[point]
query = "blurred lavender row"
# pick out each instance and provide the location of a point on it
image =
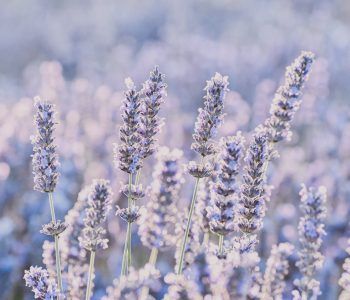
(92, 57)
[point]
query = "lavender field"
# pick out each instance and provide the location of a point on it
(175, 150)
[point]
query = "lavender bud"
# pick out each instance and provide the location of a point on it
(38, 280)
(276, 270)
(286, 101)
(135, 192)
(49, 258)
(129, 214)
(54, 228)
(153, 92)
(181, 288)
(311, 230)
(127, 154)
(198, 170)
(210, 117)
(252, 201)
(44, 158)
(221, 211)
(99, 202)
(157, 222)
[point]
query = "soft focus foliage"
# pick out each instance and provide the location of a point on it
(77, 54)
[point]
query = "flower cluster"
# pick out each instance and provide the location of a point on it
(286, 101)
(157, 223)
(38, 280)
(252, 201)
(224, 195)
(153, 92)
(311, 231)
(99, 204)
(181, 288)
(127, 154)
(45, 159)
(276, 270)
(130, 286)
(210, 117)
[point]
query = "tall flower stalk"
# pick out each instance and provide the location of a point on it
(209, 119)
(45, 170)
(225, 193)
(92, 239)
(141, 124)
(311, 231)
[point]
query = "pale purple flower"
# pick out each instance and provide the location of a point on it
(344, 280)
(181, 288)
(99, 204)
(311, 231)
(45, 158)
(252, 197)
(277, 267)
(157, 222)
(38, 280)
(211, 115)
(127, 154)
(287, 98)
(153, 94)
(130, 286)
(224, 195)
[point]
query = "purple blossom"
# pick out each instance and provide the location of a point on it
(211, 116)
(99, 204)
(45, 158)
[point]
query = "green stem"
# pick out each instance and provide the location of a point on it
(57, 249)
(91, 272)
(185, 238)
(221, 244)
(125, 253)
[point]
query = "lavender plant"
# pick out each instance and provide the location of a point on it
(92, 239)
(45, 170)
(141, 123)
(209, 119)
(311, 231)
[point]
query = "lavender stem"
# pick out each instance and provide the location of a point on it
(57, 249)
(91, 271)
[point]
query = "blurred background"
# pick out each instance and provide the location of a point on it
(77, 54)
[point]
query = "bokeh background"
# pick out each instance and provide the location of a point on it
(77, 54)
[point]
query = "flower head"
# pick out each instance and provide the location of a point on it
(153, 92)
(38, 280)
(44, 159)
(127, 154)
(287, 98)
(157, 223)
(99, 204)
(210, 117)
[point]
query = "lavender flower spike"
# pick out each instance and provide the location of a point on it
(45, 164)
(92, 239)
(153, 92)
(276, 270)
(208, 120)
(211, 116)
(224, 195)
(45, 159)
(344, 280)
(157, 222)
(252, 202)
(127, 154)
(38, 280)
(311, 230)
(286, 101)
